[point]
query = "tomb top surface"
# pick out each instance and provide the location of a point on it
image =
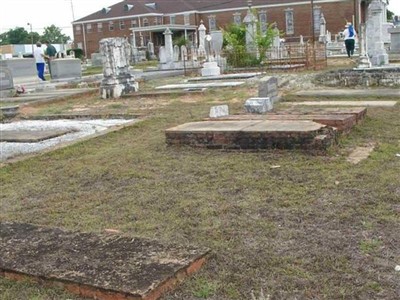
(249, 126)
(30, 136)
(345, 103)
(110, 262)
(200, 85)
(350, 92)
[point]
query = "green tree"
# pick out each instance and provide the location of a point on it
(265, 39)
(390, 16)
(54, 35)
(235, 44)
(17, 36)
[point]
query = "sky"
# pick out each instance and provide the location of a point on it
(43, 13)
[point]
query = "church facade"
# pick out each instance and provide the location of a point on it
(142, 21)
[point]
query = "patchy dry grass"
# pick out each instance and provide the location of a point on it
(315, 228)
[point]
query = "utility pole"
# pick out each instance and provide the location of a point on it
(313, 33)
(30, 24)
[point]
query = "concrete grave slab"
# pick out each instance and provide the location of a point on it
(100, 266)
(344, 103)
(225, 77)
(30, 136)
(343, 93)
(358, 112)
(343, 123)
(78, 131)
(359, 154)
(200, 85)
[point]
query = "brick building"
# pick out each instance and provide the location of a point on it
(146, 20)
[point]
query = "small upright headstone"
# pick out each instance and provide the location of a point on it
(117, 80)
(176, 53)
(258, 105)
(6, 82)
(219, 111)
(6, 79)
(96, 60)
(162, 56)
(184, 53)
(268, 87)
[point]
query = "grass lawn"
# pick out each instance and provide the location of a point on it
(316, 227)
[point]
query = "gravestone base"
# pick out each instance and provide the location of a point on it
(210, 69)
(8, 112)
(119, 87)
(258, 105)
(254, 134)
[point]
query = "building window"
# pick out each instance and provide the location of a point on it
(186, 19)
(237, 18)
(158, 21)
(317, 20)
(289, 21)
(212, 23)
(133, 23)
(79, 45)
(121, 25)
(263, 21)
(145, 22)
(99, 27)
(88, 28)
(111, 26)
(78, 29)
(172, 19)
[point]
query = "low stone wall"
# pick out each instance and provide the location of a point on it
(385, 77)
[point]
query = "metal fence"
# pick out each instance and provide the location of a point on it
(288, 56)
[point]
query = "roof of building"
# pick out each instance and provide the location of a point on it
(128, 8)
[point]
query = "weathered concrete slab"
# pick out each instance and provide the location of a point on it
(343, 93)
(359, 154)
(200, 85)
(225, 77)
(46, 96)
(344, 103)
(253, 134)
(343, 123)
(358, 112)
(100, 266)
(30, 136)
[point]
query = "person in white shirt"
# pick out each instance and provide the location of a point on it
(38, 54)
(349, 39)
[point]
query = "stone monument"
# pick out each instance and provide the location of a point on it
(117, 79)
(167, 55)
(376, 50)
(250, 20)
(202, 35)
(210, 67)
(395, 43)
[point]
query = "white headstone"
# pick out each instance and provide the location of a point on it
(202, 35)
(176, 53)
(219, 111)
(169, 50)
(258, 105)
(375, 45)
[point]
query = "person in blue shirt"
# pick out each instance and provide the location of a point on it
(349, 39)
